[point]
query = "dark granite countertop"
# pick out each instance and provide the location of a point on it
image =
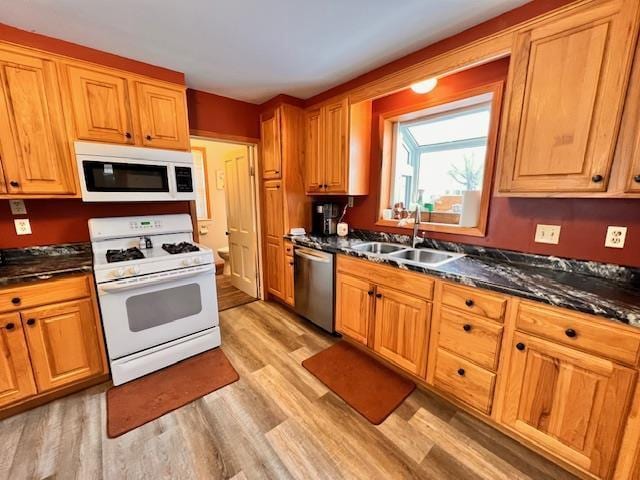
(20, 265)
(606, 290)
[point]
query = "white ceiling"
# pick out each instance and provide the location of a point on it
(251, 49)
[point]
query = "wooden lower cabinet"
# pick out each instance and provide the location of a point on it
(569, 403)
(353, 307)
(289, 274)
(16, 378)
(401, 329)
(63, 343)
(50, 341)
(275, 267)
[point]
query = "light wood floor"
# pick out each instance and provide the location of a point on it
(228, 295)
(277, 422)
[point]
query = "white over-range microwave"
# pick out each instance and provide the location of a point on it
(116, 173)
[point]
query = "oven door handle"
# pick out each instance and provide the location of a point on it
(120, 287)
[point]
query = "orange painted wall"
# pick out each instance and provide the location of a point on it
(512, 221)
(222, 115)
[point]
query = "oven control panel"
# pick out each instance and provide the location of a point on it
(145, 225)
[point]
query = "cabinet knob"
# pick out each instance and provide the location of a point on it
(290, 262)
(127, 134)
(13, 183)
(597, 178)
(636, 179)
(468, 302)
(276, 171)
(466, 327)
(370, 292)
(148, 137)
(31, 322)
(378, 295)
(10, 326)
(571, 333)
(16, 300)
(461, 372)
(520, 346)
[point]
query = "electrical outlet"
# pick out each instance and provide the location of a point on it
(615, 237)
(23, 227)
(17, 207)
(547, 234)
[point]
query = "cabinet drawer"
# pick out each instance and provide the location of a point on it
(581, 331)
(41, 293)
(417, 284)
(474, 301)
(470, 336)
(464, 380)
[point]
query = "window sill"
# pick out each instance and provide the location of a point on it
(436, 227)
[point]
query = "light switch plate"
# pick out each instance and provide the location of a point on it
(615, 237)
(23, 227)
(547, 234)
(17, 207)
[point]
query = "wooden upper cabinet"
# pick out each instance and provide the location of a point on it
(353, 307)
(570, 403)
(567, 85)
(338, 143)
(270, 134)
(314, 163)
(63, 343)
(401, 328)
(162, 112)
(101, 106)
(33, 141)
(336, 122)
(273, 210)
(16, 379)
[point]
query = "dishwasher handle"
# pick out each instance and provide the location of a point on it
(312, 255)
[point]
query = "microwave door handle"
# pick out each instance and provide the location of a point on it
(120, 287)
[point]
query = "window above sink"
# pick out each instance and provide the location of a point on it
(438, 154)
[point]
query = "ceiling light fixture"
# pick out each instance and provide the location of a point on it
(425, 86)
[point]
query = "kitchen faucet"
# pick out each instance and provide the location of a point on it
(416, 227)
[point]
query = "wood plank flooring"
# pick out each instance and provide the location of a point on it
(276, 422)
(228, 295)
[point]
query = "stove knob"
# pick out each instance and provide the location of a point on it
(185, 262)
(133, 270)
(118, 273)
(197, 260)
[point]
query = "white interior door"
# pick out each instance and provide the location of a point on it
(241, 221)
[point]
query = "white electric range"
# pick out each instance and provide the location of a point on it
(158, 303)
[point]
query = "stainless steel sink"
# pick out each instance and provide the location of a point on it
(425, 257)
(379, 248)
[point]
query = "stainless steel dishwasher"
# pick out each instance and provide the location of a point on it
(313, 286)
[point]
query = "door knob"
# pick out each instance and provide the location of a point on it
(636, 179)
(15, 300)
(570, 332)
(148, 137)
(597, 178)
(378, 295)
(13, 183)
(520, 346)
(10, 326)
(31, 322)
(127, 134)
(370, 292)
(468, 302)
(461, 372)
(466, 327)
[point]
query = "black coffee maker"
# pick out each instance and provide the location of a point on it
(324, 218)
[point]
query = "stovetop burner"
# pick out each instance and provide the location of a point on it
(182, 247)
(133, 253)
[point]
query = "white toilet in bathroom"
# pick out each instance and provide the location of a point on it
(223, 253)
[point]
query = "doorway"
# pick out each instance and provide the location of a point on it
(227, 219)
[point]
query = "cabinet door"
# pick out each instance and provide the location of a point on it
(568, 85)
(63, 343)
(16, 378)
(35, 154)
(335, 123)
(274, 256)
(353, 307)
(100, 103)
(314, 156)
(271, 145)
(401, 328)
(163, 116)
(289, 266)
(568, 402)
(273, 210)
